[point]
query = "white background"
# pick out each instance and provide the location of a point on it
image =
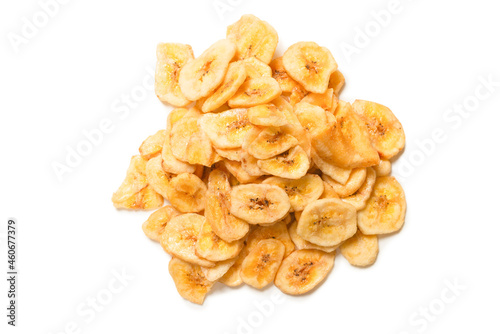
(67, 78)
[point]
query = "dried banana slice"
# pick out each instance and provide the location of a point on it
(359, 198)
(261, 265)
(253, 38)
(266, 115)
(271, 142)
(227, 129)
(304, 244)
(327, 100)
(385, 130)
(301, 192)
(303, 270)
(354, 182)
(310, 64)
(155, 225)
(153, 145)
(235, 76)
(292, 164)
(346, 143)
(312, 118)
(171, 164)
(221, 268)
(249, 164)
(157, 178)
(135, 180)
(360, 250)
(232, 276)
(336, 82)
(287, 84)
(171, 59)
(209, 246)
(386, 208)
(298, 93)
(233, 154)
(256, 68)
(180, 236)
(328, 192)
(236, 169)
(189, 280)
(277, 231)
(254, 92)
(384, 168)
(145, 199)
(186, 192)
(340, 175)
(226, 226)
(327, 222)
(200, 76)
(259, 203)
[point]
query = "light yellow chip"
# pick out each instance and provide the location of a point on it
(153, 145)
(155, 225)
(360, 250)
(254, 92)
(186, 192)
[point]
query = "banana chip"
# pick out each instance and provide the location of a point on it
(277, 231)
(336, 82)
(303, 270)
(189, 280)
(157, 178)
(266, 115)
(134, 182)
(292, 164)
(356, 179)
(227, 129)
(155, 225)
(209, 246)
(287, 84)
(254, 92)
(153, 145)
(360, 250)
(186, 192)
(256, 68)
(145, 199)
(359, 198)
(384, 168)
(221, 268)
(300, 243)
(261, 265)
(339, 175)
(327, 100)
(271, 142)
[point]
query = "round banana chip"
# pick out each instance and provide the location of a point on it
(261, 265)
(221, 268)
(271, 142)
(155, 225)
(200, 76)
(385, 130)
(256, 68)
(186, 192)
(327, 222)
(310, 64)
(359, 198)
(386, 208)
(253, 38)
(266, 115)
(171, 59)
(235, 76)
(226, 226)
(301, 192)
(153, 145)
(254, 92)
(180, 236)
(171, 164)
(292, 164)
(227, 129)
(304, 244)
(356, 179)
(278, 231)
(303, 270)
(360, 250)
(189, 280)
(209, 246)
(384, 168)
(259, 203)
(287, 84)
(312, 118)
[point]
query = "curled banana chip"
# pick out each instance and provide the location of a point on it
(261, 265)
(171, 59)
(384, 168)
(209, 246)
(327, 100)
(354, 182)
(249, 164)
(221, 268)
(310, 65)
(266, 115)
(359, 198)
(360, 250)
(256, 68)
(302, 191)
(287, 84)
(186, 192)
(135, 180)
(336, 82)
(313, 118)
(189, 280)
(271, 142)
(153, 145)
(259, 203)
(180, 236)
(303, 270)
(157, 178)
(227, 129)
(236, 169)
(386, 208)
(292, 164)
(200, 76)
(327, 222)
(253, 38)
(155, 225)
(254, 92)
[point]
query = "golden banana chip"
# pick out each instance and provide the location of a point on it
(209, 246)
(186, 192)
(360, 250)
(254, 92)
(153, 145)
(277, 231)
(155, 225)
(354, 182)
(189, 280)
(359, 198)
(336, 82)
(157, 178)
(261, 265)
(292, 164)
(256, 68)
(300, 243)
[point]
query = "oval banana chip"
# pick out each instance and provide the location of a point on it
(266, 115)
(277, 231)
(254, 92)
(261, 265)
(189, 280)
(259, 203)
(300, 243)
(303, 270)
(356, 179)
(200, 76)
(271, 142)
(153, 145)
(360, 250)
(186, 192)
(227, 129)
(157, 178)
(386, 208)
(292, 164)
(256, 68)
(209, 246)
(327, 222)
(155, 225)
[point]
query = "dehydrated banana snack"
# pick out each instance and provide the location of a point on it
(268, 174)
